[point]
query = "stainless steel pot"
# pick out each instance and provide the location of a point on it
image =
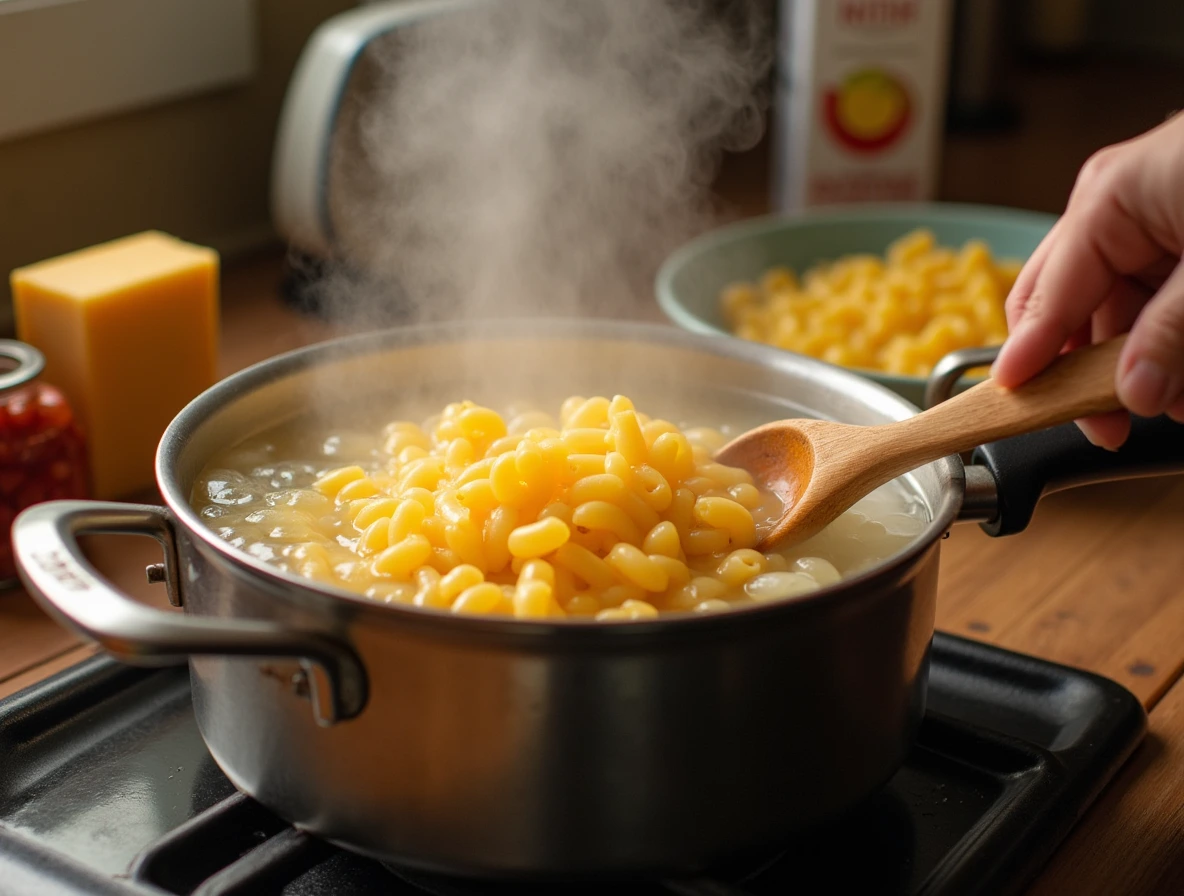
(496, 747)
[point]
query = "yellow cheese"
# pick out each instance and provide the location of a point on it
(129, 333)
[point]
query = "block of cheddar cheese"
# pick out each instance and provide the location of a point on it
(129, 334)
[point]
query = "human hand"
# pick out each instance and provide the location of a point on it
(1111, 264)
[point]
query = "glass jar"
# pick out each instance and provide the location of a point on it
(42, 450)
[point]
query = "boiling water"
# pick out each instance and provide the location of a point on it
(262, 497)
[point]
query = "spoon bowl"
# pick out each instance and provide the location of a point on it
(819, 469)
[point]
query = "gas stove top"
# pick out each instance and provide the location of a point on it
(106, 787)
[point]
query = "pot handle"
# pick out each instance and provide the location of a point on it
(1027, 467)
(948, 372)
(52, 566)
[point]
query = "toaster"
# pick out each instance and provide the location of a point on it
(321, 85)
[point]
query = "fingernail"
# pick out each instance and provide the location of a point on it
(998, 357)
(1144, 388)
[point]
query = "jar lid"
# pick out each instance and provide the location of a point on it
(29, 364)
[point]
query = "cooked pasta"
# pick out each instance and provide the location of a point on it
(898, 314)
(605, 512)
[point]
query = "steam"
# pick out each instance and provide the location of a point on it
(540, 157)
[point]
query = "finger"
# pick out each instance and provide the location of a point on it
(1046, 319)
(1107, 430)
(1151, 369)
(1083, 336)
(1021, 290)
(1154, 276)
(1121, 308)
(1013, 308)
(1176, 411)
(1099, 243)
(1116, 316)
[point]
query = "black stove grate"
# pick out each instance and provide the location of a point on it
(106, 788)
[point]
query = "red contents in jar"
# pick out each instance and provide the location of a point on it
(42, 456)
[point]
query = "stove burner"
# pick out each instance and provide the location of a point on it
(107, 788)
(443, 885)
(884, 827)
(722, 882)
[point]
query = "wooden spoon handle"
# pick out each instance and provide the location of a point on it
(1077, 384)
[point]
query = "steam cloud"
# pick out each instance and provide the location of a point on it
(540, 157)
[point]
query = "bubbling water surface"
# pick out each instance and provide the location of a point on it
(273, 496)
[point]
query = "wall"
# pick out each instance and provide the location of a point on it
(1145, 28)
(197, 168)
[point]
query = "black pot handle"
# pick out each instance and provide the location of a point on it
(1025, 468)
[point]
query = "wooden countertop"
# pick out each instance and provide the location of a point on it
(1097, 581)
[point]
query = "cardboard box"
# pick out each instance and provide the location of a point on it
(860, 101)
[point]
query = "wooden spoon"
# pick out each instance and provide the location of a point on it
(819, 469)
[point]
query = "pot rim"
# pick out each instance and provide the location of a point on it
(291, 585)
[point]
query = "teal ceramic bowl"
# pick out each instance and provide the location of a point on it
(690, 281)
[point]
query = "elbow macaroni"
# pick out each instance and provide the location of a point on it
(605, 513)
(899, 314)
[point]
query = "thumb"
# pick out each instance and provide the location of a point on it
(1151, 369)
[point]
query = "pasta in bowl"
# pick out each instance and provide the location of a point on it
(600, 511)
(882, 289)
(899, 314)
